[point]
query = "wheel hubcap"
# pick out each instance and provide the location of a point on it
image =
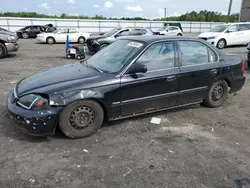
(221, 44)
(25, 35)
(81, 40)
(50, 40)
(217, 93)
(82, 117)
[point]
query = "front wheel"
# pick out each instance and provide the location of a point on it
(81, 118)
(221, 44)
(50, 40)
(81, 40)
(217, 94)
(25, 35)
(3, 51)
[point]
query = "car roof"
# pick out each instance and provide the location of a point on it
(155, 38)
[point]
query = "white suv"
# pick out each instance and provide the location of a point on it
(228, 34)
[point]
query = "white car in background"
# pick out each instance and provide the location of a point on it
(228, 35)
(60, 35)
(170, 31)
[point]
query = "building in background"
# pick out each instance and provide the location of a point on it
(245, 11)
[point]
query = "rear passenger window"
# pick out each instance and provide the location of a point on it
(195, 53)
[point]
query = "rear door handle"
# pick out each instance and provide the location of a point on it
(171, 78)
(214, 71)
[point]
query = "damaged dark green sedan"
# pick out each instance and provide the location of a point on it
(133, 76)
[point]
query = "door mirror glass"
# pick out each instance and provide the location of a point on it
(137, 68)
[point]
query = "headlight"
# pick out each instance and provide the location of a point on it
(11, 38)
(32, 101)
(214, 37)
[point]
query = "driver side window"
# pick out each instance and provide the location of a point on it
(159, 56)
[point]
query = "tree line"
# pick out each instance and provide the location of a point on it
(204, 16)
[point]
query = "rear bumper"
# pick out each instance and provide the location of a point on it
(237, 84)
(12, 47)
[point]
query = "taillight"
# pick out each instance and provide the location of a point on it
(243, 66)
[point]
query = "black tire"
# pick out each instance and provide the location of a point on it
(25, 35)
(179, 34)
(103, 46)
(81, 40)
(50, 40)
(3, 51)
(78, 112)
(221, 44)
(217, 94)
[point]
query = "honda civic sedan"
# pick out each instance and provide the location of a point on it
(132, 76)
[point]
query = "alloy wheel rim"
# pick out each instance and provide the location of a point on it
(25, 35)
(82, 117)
(221, 44)
(218, 93)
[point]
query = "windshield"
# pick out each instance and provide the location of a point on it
(219, 28)
(111, 32)
(55, 31)
(115, 56)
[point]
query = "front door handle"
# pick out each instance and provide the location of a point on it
(171, 78)
(214, 71)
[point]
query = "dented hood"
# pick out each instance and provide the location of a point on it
(56, 78)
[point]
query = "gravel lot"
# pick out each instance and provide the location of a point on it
(192, 147)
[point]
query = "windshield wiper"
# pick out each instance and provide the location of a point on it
(93, 67)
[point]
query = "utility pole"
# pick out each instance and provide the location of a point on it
(165, 14)
(229, 9)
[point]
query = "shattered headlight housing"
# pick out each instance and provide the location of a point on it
(33, 101)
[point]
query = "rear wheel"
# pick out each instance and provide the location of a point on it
(221, 44)
(81, 40)
(217, 94)
(81, 118)
(50, 40)
(25, 35)
(3, 51)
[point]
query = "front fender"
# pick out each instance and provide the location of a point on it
(66, 98)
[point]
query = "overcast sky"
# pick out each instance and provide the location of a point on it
(119, 8)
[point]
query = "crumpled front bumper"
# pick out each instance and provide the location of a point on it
(33, 122)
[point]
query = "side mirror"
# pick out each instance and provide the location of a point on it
(117, 35)
(137, 68)
(230, 30)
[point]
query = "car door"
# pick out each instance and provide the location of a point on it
(61, 35)
(198, 70)
(73, 35)
(245, 28)
(155, 89)
(234, 36)
(34, 30)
